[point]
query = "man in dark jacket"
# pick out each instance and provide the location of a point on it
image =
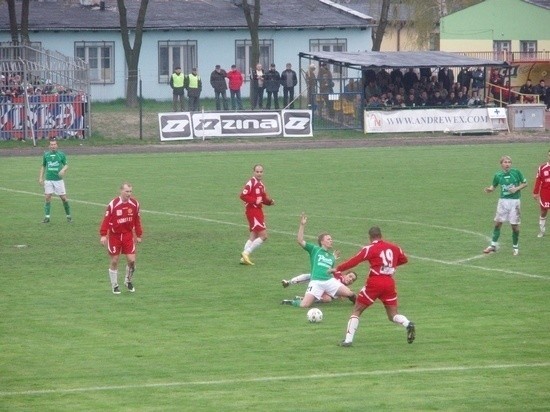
(289, 80)
(217, 80)
(272, 84)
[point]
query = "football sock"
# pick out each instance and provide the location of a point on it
(67, 208)
(496, 234)
(255, 245)
(353, 324)
(296, 302)
(129, 273)
(113, 275)
(304, 277)
(542, 223)
(47, 208)
(247, 246)
(401, 319)
(515, 239)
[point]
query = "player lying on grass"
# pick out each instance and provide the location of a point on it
(346, 279)
(322, 262)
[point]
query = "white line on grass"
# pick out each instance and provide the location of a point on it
(276, 379)
(223, 222)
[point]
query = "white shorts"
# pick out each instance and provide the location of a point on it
(508, 210)
(318, 287)
(54, 187)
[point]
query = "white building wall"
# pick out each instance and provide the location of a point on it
(214, 47)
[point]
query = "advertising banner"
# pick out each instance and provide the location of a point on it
(175, 126)
(450, 120)
(49, 116)
(220, 124)
(186, 125)
(297, 123)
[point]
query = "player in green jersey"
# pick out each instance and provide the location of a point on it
(511, 181)
(54, 167)
(322, 260)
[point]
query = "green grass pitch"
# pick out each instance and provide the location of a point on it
(203, 333)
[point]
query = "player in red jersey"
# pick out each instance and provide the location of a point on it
(119, 226)
(254, 196)
(541, 193)
(384, 258)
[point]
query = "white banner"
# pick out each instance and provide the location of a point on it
(186, 125)
(175, 126)
(430, 120)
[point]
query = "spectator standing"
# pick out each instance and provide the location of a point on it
(193, 84)
(543, 93)
(425, 73)
(478, 79)
(120, 230)
(326, 87)
(177, 83)
(52, 172)
(447, 77)
(384, 258)
(541, 193)
(289, 80)
(464, 78)
(236, 80)
(311, 81)
(511, 182)
(272, 84)
(218, 83)
(255, 197)
(410, 79)
(396, 76)
(258, 86)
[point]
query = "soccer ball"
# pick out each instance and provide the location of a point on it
(314, 315)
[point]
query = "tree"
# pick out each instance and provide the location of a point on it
(378, 35)
(132, 53)
(252, 16)
(15, 29)
(427, 13)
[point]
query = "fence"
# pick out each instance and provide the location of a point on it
(43, 94)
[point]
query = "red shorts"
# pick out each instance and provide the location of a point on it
(544, 199)
(121, 243)
(378, 287)
(256, 221)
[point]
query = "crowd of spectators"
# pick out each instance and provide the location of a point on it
(397, 89)
(13, 85)
(435, 88)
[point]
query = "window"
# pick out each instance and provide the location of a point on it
(10, 52)
(100, 59)
(501, 49)
(243, 52)
(176, 53)
(331, 45)
(528, 49)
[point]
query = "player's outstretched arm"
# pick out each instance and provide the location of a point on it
(301, 230)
